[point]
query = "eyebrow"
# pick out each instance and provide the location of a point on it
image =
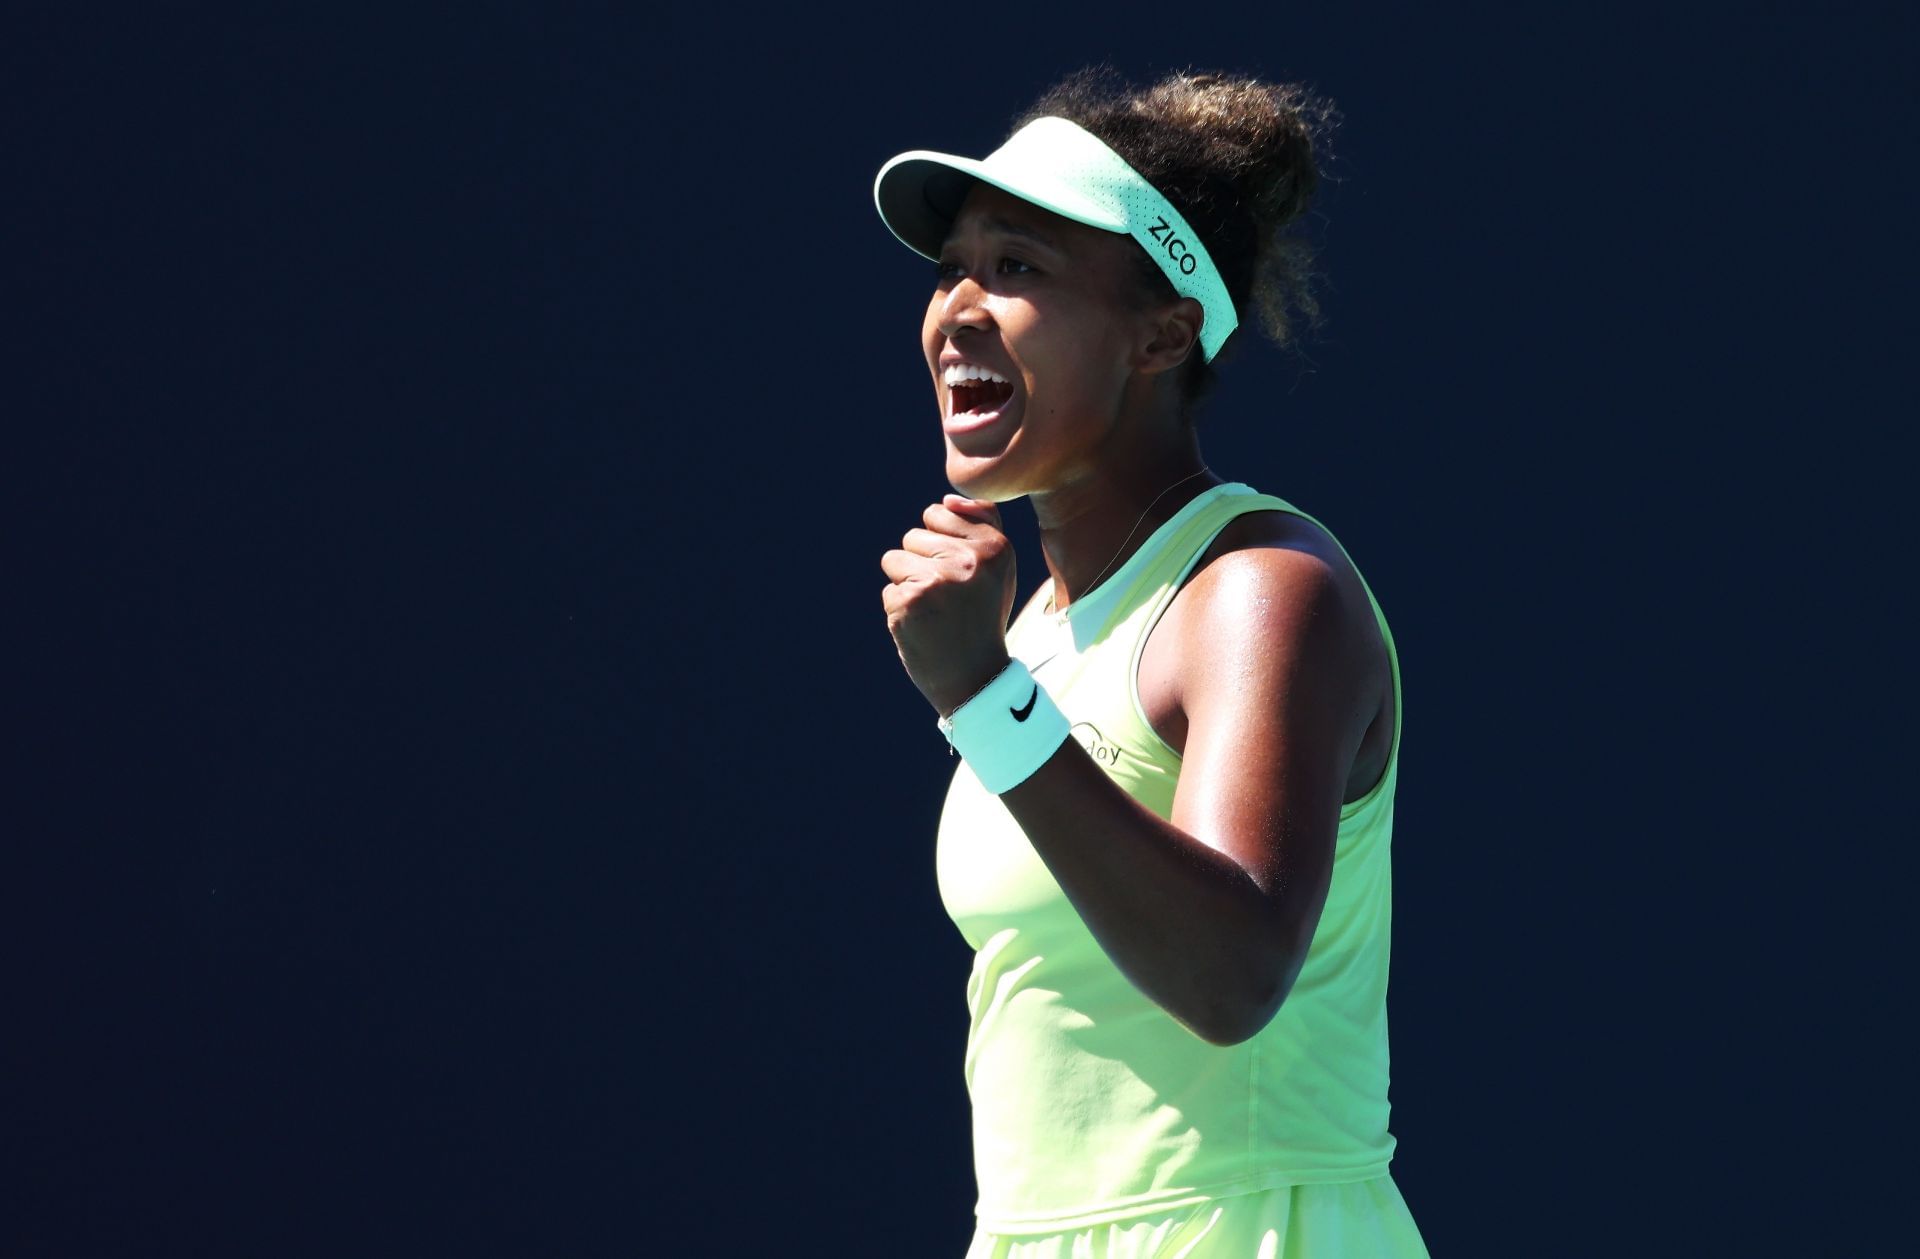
(999, 224)
(1021, 229)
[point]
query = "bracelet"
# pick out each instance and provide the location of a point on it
(1007, 729)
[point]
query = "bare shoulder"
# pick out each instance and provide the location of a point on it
(1273, 591)
(1273, 579)
(1272, 552)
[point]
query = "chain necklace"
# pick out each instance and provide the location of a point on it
(1095, 583)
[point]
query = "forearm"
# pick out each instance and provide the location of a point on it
(1183, 922)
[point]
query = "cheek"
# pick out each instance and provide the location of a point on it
(930, 338)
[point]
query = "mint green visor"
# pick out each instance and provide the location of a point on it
(1058, 166)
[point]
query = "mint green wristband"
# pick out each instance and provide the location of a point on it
(1007, 730)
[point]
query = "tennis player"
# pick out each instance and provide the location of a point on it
(1168, 833)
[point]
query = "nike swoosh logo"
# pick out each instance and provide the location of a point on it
(1021, 714)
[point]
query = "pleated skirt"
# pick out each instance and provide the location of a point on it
(1364, 1220)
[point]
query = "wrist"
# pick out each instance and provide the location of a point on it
(1007, 730)
(958, 697)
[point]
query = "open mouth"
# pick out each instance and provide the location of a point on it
(976, 391)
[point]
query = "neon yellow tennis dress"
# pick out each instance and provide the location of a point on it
(1101, 1127)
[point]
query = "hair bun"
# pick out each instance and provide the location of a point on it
(1261, 132)
(1238, 156)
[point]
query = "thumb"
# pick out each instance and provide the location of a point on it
(981, 509)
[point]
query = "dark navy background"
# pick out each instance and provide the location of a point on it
(466, 798)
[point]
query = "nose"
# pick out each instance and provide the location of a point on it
(964, 306)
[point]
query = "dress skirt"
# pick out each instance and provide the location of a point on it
(1362, 1220)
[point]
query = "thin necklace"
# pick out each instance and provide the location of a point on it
(1095, 583)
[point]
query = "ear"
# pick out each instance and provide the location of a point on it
(1175, 335)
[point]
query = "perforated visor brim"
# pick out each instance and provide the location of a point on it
(919, 195)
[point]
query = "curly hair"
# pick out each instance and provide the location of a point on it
(1236, 157)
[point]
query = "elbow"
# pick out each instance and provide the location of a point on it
(1228, 1032)
(1234, 1000)
(1230, 1023)
(1239, 1015)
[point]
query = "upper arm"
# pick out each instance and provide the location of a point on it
(1278, 681)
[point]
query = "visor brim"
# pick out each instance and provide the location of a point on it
(919, 193)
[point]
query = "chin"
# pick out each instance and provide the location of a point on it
(991, 482)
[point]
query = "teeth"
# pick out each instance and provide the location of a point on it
(960, 373)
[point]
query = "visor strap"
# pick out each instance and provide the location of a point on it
(1068, 153)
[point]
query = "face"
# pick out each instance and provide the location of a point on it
(1032, 339)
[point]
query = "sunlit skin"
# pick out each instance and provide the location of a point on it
(1267, 672)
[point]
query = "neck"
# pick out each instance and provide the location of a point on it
(1090, 527)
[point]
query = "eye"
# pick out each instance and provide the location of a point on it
(949, 270)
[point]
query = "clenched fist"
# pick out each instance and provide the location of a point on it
(950, 594)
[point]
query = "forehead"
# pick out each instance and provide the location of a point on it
(989, 209)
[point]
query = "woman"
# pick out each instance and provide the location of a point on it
(1168, 837)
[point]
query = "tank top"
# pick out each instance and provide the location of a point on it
(1090, 1103)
